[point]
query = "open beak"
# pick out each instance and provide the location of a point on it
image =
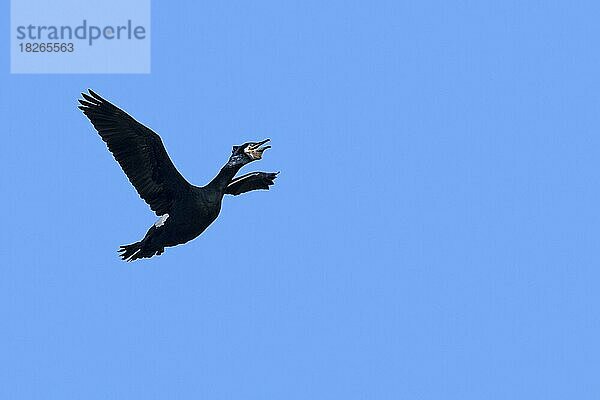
(255, 150)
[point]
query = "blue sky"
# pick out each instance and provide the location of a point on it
(432, 235)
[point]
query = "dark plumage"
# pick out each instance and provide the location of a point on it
(185, 210)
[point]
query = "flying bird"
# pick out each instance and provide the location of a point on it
(184, 210)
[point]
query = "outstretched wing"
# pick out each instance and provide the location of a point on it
(139, 151)
(251, 181)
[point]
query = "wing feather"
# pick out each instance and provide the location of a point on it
(251, 181)
(139, 151)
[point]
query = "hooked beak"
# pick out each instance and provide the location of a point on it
(255, 150)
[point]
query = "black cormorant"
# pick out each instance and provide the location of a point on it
(184, 210)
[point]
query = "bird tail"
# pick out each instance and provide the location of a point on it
(130, 252)
(134, 251)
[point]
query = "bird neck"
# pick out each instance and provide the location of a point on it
(224, 176)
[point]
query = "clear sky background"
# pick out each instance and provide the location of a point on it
(433, 233)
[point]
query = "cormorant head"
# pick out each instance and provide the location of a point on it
(248, 152)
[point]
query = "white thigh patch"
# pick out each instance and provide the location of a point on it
(161, 221)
